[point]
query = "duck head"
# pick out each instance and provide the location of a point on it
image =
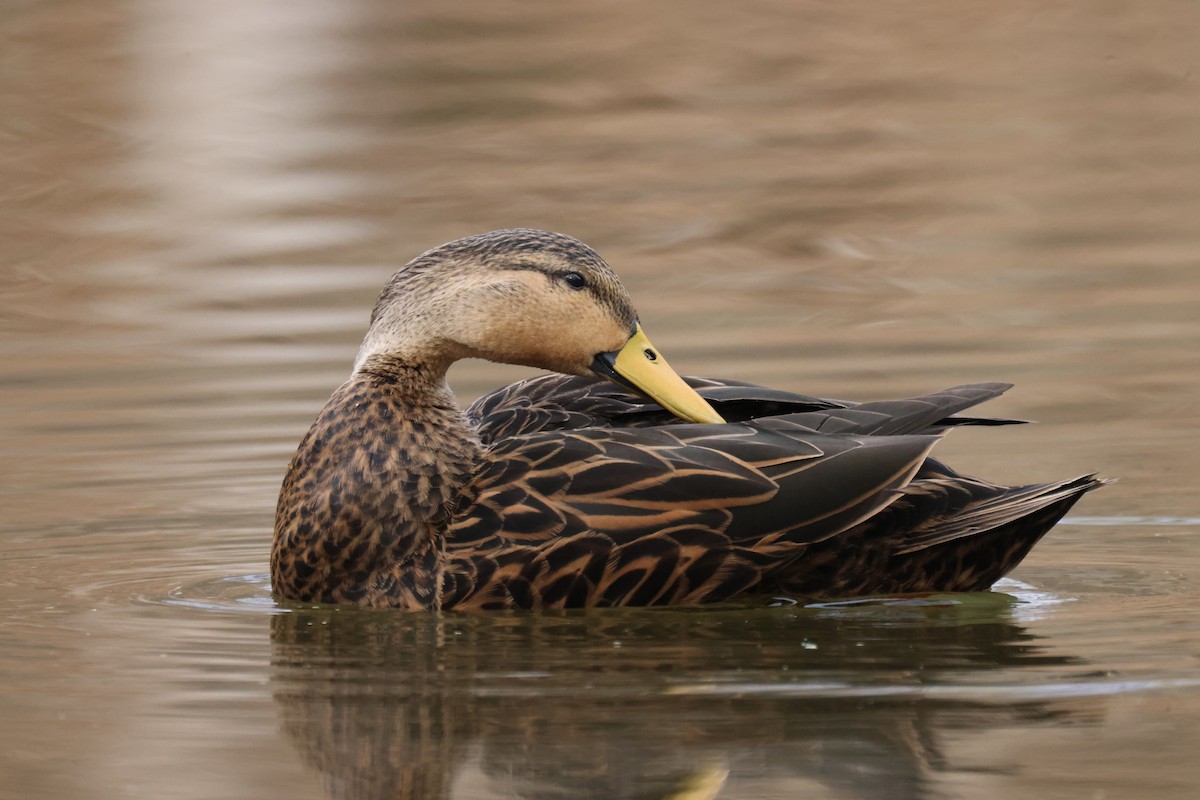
(526, 297)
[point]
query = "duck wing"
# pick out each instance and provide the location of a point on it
(564, 402)
(589, 495)
(673, 514)
(568, 402)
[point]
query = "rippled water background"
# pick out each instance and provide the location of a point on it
(199, 202)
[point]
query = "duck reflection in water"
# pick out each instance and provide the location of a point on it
(626, 703)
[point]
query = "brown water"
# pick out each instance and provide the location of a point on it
(201, 200)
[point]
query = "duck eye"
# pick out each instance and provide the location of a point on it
(574, 280)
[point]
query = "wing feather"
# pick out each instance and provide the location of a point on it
(589, 495)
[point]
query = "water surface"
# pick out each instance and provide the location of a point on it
(199, 202)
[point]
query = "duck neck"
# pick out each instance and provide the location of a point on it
(366, 501)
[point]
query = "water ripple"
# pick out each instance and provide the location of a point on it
(1154, 521)
(1001, 692)
(241, 593)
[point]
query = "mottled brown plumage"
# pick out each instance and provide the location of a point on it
(569, 490)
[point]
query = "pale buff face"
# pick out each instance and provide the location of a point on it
(504, 296)
(528, 318)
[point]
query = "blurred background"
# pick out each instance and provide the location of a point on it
(200, 201)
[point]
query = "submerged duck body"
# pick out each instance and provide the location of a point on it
(569, 490)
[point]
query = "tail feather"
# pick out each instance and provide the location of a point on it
(995, 512)
(883, 555)
(972, 563)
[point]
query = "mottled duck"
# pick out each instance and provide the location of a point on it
(613, 481)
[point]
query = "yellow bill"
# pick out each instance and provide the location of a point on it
(639, 366)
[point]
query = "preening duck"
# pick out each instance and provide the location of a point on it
(613, 481)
